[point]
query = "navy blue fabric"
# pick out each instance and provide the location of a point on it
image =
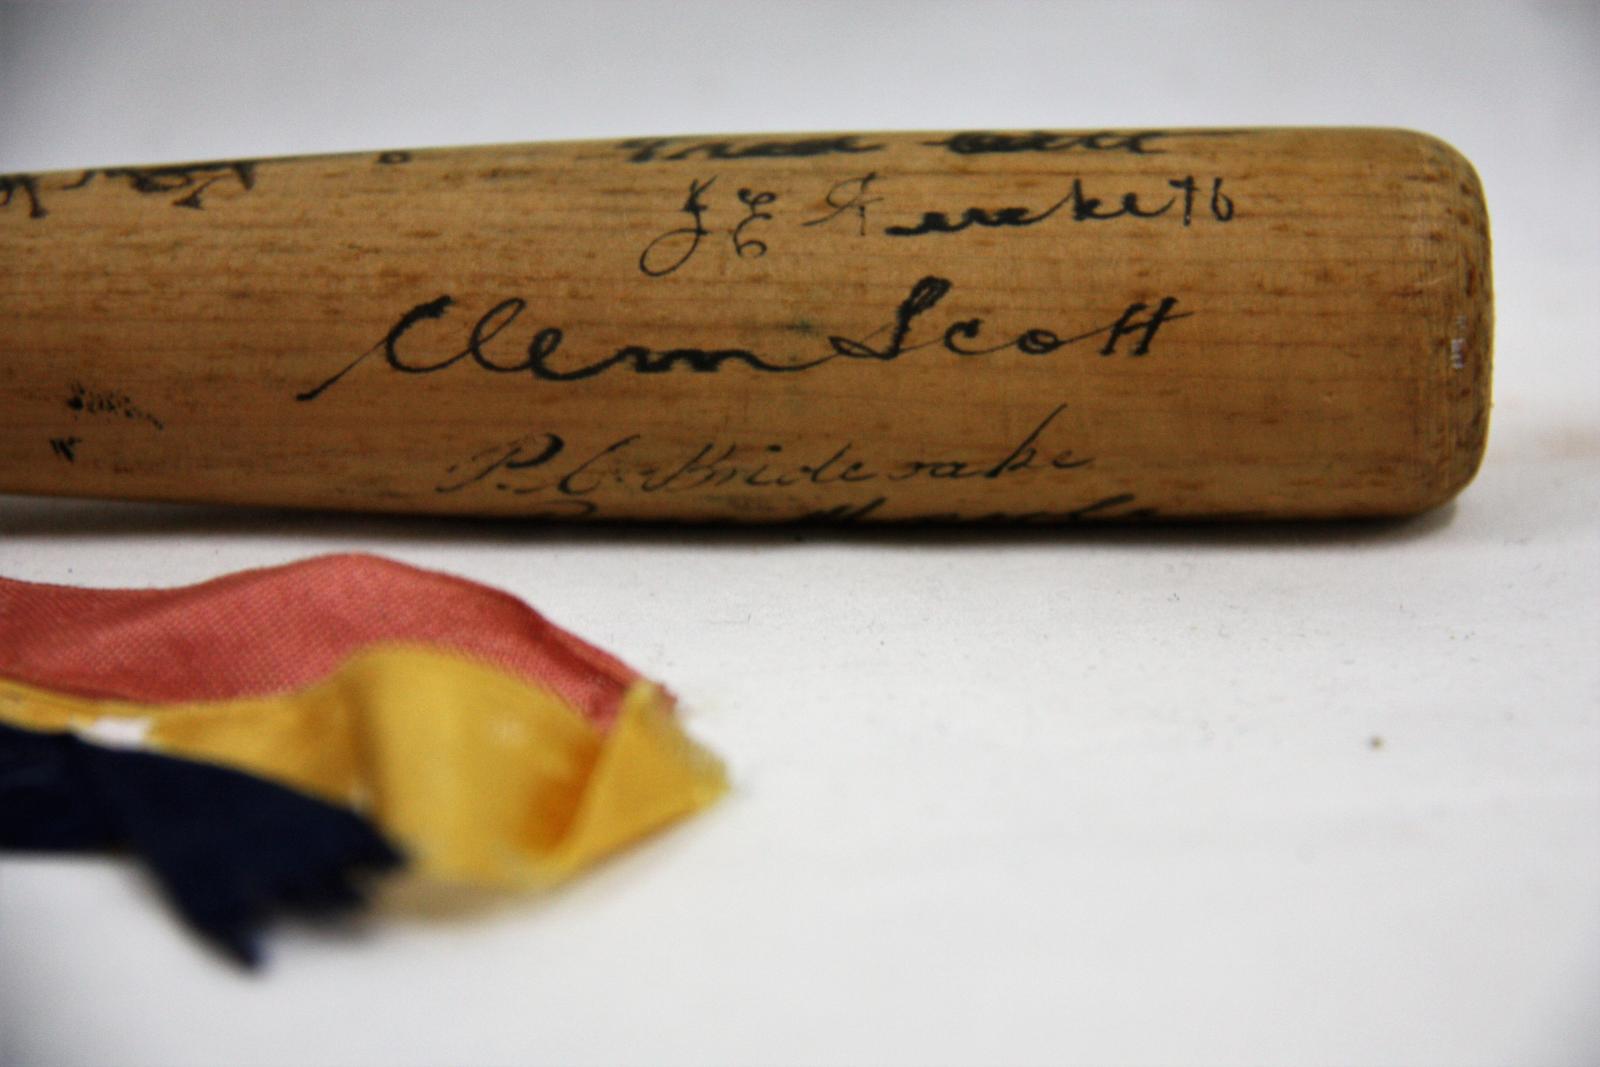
(229, 849)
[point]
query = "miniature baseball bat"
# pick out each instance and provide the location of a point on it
(1034, 326)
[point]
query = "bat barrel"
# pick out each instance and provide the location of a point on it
(1025, 326)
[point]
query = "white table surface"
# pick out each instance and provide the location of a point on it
(1092, 796)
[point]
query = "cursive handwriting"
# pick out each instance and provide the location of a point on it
(672, 149)
(190, 179)
(672, 249)
(986, 142)
(109, 402)
(538, 360)
(750, 246)
(28, 186)
(541, 463)
(658, 259)
(1103, 508)
(1035, 341)
(1084, 208)
(849, 195)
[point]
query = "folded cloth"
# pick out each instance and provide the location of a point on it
(490, 746)
(280, 628)
(481, 777)
(229, 850)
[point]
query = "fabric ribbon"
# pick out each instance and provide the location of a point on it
(490, 746)
(277, 629)
(228, 849)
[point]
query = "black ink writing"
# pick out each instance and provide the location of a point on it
(192, 179)
(673, 149)
(109, 402)
(1022, 457)
(1103, 508)
(849, 195)
(26, 186)
(520, 455)
(672, 249)
(843, 514)
(1035, 341)
(66, 447)
(1135, 142)
(925, 294)
(986, 142)
(1221, 205)
(659, 257)
(1083, 208)
(542, 464)
(538, 359)
(752, 247)
(545, 343)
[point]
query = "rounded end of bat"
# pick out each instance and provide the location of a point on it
(1457, 369)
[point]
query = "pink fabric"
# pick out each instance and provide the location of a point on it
(278, 629)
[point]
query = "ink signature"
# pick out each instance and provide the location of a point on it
(539, 358)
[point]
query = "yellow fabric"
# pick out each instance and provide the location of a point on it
(481, 777)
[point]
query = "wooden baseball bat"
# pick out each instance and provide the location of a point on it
(1034, 326)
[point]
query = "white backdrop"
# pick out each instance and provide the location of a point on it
(1081, 797)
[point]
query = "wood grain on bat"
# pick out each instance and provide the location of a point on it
(1032, 326)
